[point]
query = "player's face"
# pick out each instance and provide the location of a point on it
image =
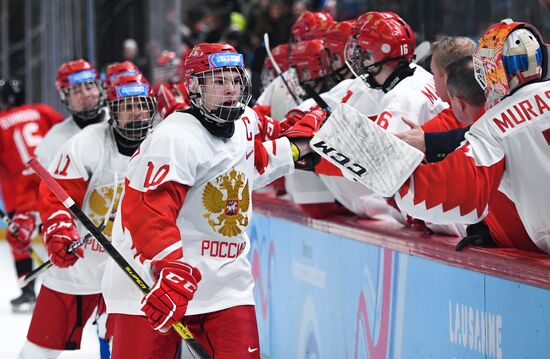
(83, 96)
(222, 88)
(440, 79)
(132, 109)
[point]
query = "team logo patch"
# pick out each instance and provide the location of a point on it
(99, 203)
(223, 59)
(227, 202)
(82, 76)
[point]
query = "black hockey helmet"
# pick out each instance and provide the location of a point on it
(11, 93)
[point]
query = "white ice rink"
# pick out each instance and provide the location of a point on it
(13, 327)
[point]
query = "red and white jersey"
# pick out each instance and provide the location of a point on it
(92, 171)
(26, 125)
(277, 96)
(188, 197)
(506, 149)
(414, 98)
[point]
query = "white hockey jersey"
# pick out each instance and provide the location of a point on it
(90, 157)
(208, 227)
(506, 149)
(277, 96)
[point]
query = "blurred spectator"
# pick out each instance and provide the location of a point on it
(130, 52)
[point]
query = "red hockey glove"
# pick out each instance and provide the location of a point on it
(25, 229)
(291, 118)
(168, 299)
(60, 233)
(300, 134)
(262, 110)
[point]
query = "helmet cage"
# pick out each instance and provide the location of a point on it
(133, 117)
(221, 94)
(85, 113)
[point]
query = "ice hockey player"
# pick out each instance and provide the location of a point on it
(90, 168)
(192, 181)
(20, 125)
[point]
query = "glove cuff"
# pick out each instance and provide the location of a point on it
(295, 151)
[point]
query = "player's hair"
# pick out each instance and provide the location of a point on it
(450, 48)
(461, 82)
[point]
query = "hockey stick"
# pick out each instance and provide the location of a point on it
(278, 69)
(12, 228)
(24, 280)
(29, 277)
(70, 204)
(317, 98)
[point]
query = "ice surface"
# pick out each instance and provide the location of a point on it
(13, 327)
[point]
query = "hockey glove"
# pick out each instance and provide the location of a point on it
(60, 233)
(300, 134)
(25, 227)
(291, 118)
(478, 234)
(167, 301)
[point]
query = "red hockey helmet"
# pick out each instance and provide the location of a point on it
(132, 106)
(311, 25)
(509, 55)
(335, 41)
(167, 67)
(74, 76)
(119, 69)
(218, 84)
(384, 38)
(280, 55)
(305, 57)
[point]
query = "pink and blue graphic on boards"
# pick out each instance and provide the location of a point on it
(319, 295)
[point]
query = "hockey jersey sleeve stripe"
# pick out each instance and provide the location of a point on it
(455, 190)
(150, 218)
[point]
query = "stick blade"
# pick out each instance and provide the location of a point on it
(365, 152)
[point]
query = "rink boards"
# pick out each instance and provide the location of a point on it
(323, 295)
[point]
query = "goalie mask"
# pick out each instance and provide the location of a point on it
(508, 56)
(79, 89)
(280, 54)
(218, 84)
(132, 107)
(383, 38)
(119, 69)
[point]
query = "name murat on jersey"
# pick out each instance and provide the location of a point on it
(18, 117)
(520, 113)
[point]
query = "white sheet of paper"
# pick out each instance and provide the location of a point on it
(366, 152)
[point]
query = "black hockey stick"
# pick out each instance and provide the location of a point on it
(12, 228)
(70, 204)
(29, 277)
(317, 98)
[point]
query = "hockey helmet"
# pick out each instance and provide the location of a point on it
(11, 93)
(132, 106)
(508, 56)
(218, 84)
(311, 25)
(119, 69)
(280, 55)
(305, 57)
(72, 78)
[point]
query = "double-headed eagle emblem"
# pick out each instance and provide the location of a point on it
(227, 212)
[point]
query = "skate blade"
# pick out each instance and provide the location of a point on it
(23, 309)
